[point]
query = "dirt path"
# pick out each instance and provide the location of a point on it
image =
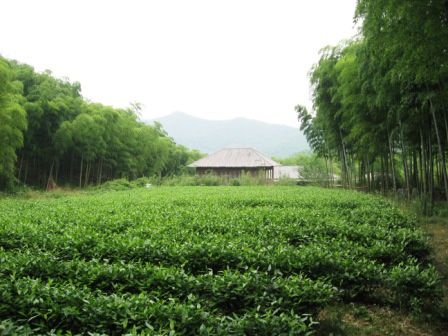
(364, 320)
(438, 230)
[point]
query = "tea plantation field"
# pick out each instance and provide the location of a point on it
(204, 260)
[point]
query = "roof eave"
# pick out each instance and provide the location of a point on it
(233, 166)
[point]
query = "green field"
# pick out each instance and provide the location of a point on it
(205, 260)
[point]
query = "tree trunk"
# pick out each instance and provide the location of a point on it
(327, 183)
(446, 125)
(353, 174)
(26, 172)
(440, 149)
(424, 174)
(80, 173)
(360, 172)
(86, 178)
(392, 163)
(423, 171)
(101, 171)
(72, 159)
(331, 171)
(386, 172)
(415, 173)
(50, 177)
(405, 164)
(56, 175)
(368, 175)
(20, 167)
(343, 172)
(345, 160)
(430, 171)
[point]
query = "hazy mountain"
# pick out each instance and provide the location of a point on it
(209, 136)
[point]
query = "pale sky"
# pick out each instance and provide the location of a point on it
(211, 59)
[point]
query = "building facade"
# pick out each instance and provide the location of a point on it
(232, 162)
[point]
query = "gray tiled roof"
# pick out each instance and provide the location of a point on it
(235, 157)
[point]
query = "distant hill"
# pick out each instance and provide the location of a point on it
(209, 136)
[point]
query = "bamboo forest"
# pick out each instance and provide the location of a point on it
(381, 100)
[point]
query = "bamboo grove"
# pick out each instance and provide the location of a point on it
(50, 135)
(381, 100)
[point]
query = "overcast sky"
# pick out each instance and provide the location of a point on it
(211, 59)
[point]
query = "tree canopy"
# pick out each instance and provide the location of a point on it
(50, 135)
(12, 123)
(380, 100)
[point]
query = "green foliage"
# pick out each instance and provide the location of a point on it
(119, 184)
(312, 168)
(245, 179)
(286, 181)
(441, 210)
(204, 261)
(380, 100)
(415, 286)
(124, 184)
(71, 141)
(12, 124)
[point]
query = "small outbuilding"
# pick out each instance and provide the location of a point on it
(232, 162)
(288, 172)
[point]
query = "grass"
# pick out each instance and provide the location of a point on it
(371, 320)
(437, 228)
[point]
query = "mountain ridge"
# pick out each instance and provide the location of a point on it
(209, 136)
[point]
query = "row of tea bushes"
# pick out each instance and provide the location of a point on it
(222, 260)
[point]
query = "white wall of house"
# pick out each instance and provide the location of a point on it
(291, 172)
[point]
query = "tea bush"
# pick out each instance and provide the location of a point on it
(204, 261)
